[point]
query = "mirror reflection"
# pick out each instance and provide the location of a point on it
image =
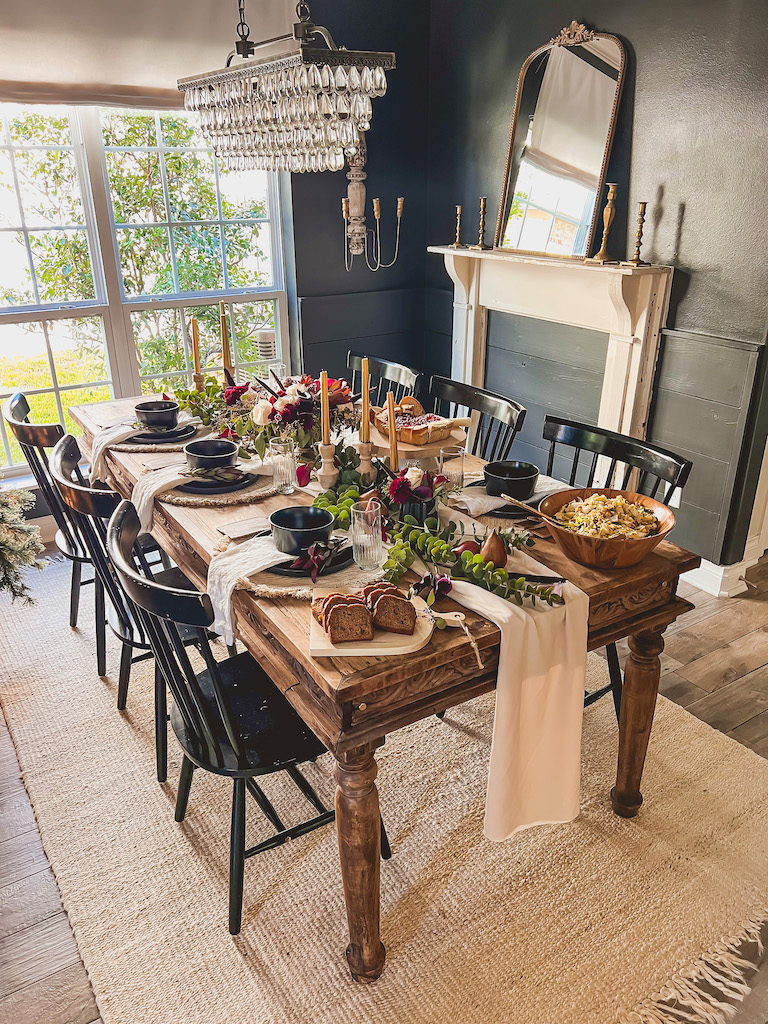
(561, 138)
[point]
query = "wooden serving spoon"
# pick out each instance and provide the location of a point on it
(532, 510)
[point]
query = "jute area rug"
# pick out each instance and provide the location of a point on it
(595, 922)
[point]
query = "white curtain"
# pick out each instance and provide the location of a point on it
(121, 52)
(570, 123)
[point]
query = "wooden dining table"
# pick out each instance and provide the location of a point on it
(352, 704)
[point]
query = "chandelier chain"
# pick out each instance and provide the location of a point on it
(243, 29)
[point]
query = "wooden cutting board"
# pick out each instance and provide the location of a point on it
(383, 643)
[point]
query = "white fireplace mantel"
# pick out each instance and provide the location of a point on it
(629, 304)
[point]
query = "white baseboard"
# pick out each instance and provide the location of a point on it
(725, 580)
(47, 527)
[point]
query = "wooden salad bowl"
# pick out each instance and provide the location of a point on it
(605, 552)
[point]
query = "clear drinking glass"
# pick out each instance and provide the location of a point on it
(365, 526)
(283, 456)
(452, 467)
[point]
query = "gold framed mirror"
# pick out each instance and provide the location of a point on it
(563, 124)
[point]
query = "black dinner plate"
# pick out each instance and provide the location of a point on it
(340, 560)
(166, 436)
(215, 487)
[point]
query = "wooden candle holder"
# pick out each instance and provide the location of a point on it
(199, 381)
(328, 474)
(366, 469)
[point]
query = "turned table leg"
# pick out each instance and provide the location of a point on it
(359, 830)
(638, 703)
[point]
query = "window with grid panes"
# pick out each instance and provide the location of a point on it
(116, 228)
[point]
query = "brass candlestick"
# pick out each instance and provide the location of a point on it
(601, 256)
(458, 243)
(636, 261)
(481, 231)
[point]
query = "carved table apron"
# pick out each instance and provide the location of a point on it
(352, 703)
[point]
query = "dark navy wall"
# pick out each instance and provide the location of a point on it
(691, 141)
(381, 312)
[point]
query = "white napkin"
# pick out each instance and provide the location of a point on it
(157, 481)
(535, 767)
(477, 503)
(228, 568)
(117, 433)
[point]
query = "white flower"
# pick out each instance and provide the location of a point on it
(281, 403)
(414, 476)
(292, 392)
(260, 412)
(249, 398)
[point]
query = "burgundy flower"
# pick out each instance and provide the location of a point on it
(288, 413)
(233, 394)
(423, 492)
(303, 471)
(438, 479)
(400, 490)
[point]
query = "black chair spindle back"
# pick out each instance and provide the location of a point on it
(499, 421)
(656, 465)
(385, 376)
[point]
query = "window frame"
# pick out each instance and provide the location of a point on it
(110, 302)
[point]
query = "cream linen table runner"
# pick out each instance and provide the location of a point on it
(535, 766)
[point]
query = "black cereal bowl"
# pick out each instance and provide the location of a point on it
(158, 413)
(211, 453)
(518, 479)
(296, 527)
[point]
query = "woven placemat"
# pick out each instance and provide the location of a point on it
(246, 496)
(144, 449)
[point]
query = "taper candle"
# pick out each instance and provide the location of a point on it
(394, 457)
(195, 345)
(325, 408)
(365, 423)
(226, 354)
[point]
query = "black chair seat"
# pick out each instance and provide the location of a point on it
(273, 735)
(71, 549)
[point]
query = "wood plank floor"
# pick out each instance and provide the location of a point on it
(715, 664)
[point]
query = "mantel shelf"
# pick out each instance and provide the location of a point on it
(545, 261)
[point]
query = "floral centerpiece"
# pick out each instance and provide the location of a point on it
(254, 413)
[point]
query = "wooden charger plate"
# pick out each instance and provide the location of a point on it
(383, 643)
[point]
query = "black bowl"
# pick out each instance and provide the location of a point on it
(296, 527)
(158, 413)
(517, 479)
(211, 453)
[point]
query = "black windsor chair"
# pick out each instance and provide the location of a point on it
(384, 375)
(499, 421)
(92, 508)
(656, 466)
(34, 440)
(229, 718)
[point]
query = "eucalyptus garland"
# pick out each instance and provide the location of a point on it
(434, 545)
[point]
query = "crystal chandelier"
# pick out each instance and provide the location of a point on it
(294, 104)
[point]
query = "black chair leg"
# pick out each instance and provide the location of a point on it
(101, 627)
(185, 784)
(125, 674)
(440, 715)
(386, 849)
(237, 857)
(614, 671)
(74, 593)
(232, 650)
(161, 726)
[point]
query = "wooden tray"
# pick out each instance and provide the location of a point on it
(380, 444)
(383, 643)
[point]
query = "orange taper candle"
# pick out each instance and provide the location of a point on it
(325, 408)
(394, 458)
(365, 423)
(195, 345)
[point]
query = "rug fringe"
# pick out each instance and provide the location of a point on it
(698, 994)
